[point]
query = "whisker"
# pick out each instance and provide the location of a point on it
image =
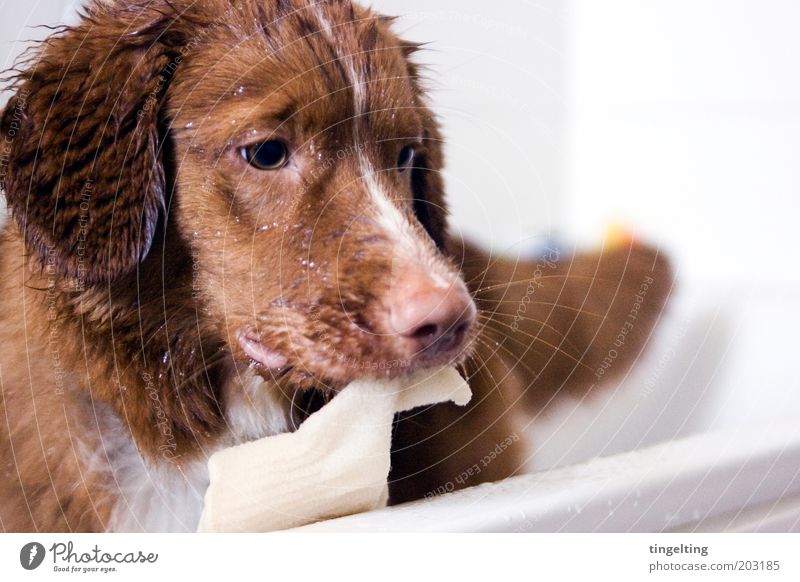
(536, 338)
(546, 303)
(534, 374)
(542, 323)
(485, 366)
(521, 281)
(291, 409)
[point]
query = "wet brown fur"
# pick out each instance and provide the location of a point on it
(140, 244)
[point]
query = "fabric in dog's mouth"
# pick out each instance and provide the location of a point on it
(252, 345)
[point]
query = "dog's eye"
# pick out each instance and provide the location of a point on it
(405, 158)
(267, 155)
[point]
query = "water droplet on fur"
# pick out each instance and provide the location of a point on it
(165, 357)
(236, 220)
(189, 125)
(263, 227)
(239, 90)
(218, 233)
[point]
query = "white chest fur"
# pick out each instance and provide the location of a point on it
(166, 495)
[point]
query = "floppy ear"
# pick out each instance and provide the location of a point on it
(430, 205)
(427, 184)
(83, 172)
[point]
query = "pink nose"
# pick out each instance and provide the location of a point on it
(432, 318)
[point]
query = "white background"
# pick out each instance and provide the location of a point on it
(680, 118)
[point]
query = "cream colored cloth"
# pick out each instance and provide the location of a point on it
(335, 464)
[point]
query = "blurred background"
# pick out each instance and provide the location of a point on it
(677, 118)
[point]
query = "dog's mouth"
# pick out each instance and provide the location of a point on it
(310, 387)
(259, 353)
(271, 360)
(328, 365)
(294, 374)
(305, 400)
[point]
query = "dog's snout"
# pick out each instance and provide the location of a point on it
(431, 317)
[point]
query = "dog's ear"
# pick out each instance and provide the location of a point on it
(427, 183)
(430, 205)
(82, 170)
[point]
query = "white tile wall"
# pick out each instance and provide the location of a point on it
(685, 122)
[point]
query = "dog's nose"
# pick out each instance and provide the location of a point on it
(432, 316)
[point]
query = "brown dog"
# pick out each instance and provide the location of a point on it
(223, 213)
